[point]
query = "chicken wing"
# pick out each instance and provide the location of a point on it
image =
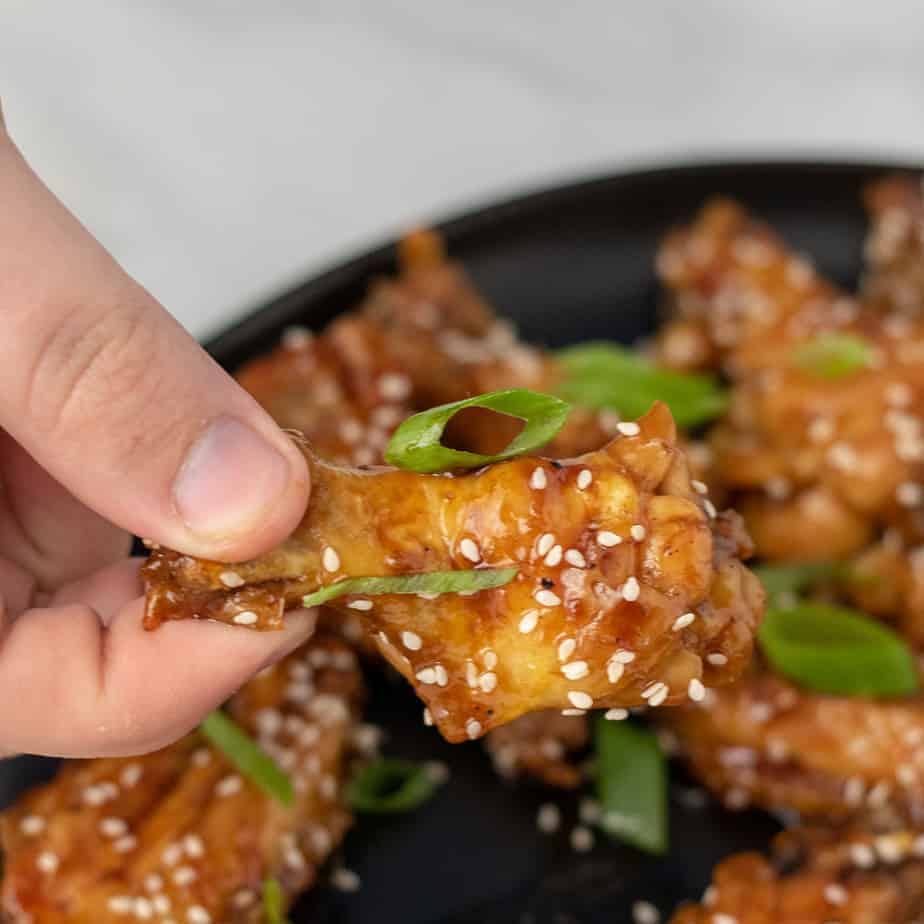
(894, 248)
(178, 834)
(618, 557)
(816, 464)
(817, 876)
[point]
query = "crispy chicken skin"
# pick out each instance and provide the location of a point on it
(612, 549)
(818, 876)
(815, 465)
(894, 248)
(178, 834)
(764, 741)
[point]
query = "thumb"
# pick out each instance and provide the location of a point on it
(112, 397)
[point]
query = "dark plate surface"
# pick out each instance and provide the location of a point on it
(566, 264)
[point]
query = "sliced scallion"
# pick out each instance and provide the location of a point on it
(604, 375)
(416, 445)
(247, 756)
(273, 903)
(389, 786)
(435, 582)
(631, 778)
(833, 355)
(839, 651)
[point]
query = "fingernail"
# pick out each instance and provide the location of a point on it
(230, 478)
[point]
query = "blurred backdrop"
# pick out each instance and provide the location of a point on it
(224, 149)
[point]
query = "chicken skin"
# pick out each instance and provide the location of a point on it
(629, 589)
(819, 876)
(178, 834)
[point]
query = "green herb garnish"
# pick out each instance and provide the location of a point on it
(389, 786)
(247, 756)
(436, 582)
(833, 355)
(786, 580)
(416, 445)
(273, 903)
(631, 776)
(835, 650)
(603, 375)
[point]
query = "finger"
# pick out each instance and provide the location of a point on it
(84, 690)
(106, 591)
(115, 400)
(44, 528)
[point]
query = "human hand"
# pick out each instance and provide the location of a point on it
(110, 413)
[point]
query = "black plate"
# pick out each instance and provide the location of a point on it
(566, 264)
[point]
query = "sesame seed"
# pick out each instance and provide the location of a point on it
(854, 790)
(631, 589)
(229, 786)
(442, 676)
(638, 532)
(645, 913)
(161, 904)
(580, 700)
(696, 691)
(201, 757)
(554, 557)
(890, 848)
(879, 794)
(153, 883)
(575, 558)
(681, 622)
(363, 605)
(143, 909)
(231, 579)
(469, 549)
(628, 428)
(120, 904)
(426, 675)
(32, 825)
(721, 918)
(297, 338)
(616, 715)
(862, 856)
(487, 682)
(427, 596)
(538, 481)
(196, 914)
(131, 775)
(835, 894)
(411, 640)
(573, 712)
(47, 862)
(546, 541)
(906, 774)
(584, 478)
(351, 431)
(575, 670)
(294, 858)
(709, 507)
(113, 827)
(898, 394)
(548, 818)
(653, 689)
(245, 618)
(614, 671)
(490, 659)
(909, 494)
(566, 648)
(473, 728)
(608, 539)
(345, 880)
(582, 839)
(717, 659)
(393, 386)
(185, 875)
(699, 486)
(172, 854)
(529, 621)
(330, 559)
(193, 846)
(547, 598)
(427, 717)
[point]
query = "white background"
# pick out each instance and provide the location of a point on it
(223, 149)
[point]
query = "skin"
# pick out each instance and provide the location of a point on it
(114, 421)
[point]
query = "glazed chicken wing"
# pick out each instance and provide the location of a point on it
(178, 834)
(817, 876)
(816, 465)
(629, 588)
